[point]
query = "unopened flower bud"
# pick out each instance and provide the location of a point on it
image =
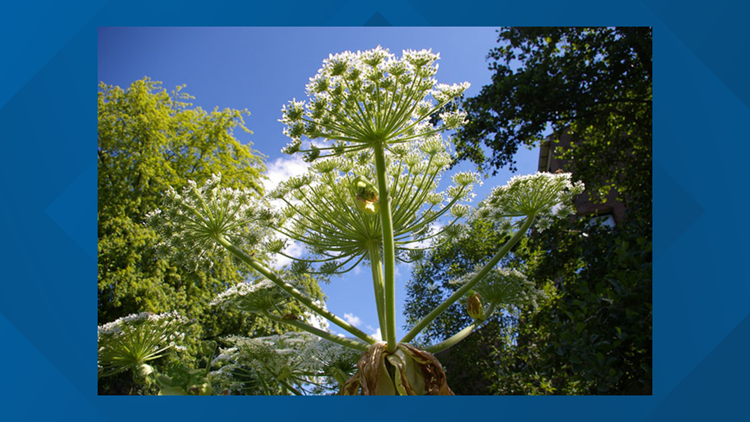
(143, 370)
(368, 207)
(367, 196)
(208, 347)
(202, 389)
(474, 307)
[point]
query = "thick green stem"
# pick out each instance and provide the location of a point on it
(376, 265)
(452, 341)
(289, 387)
(389, 246)
(459, 336)
(471, 283)
(257, 266)
(318, 332)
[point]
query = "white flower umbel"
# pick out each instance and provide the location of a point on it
(193, 220)
(372, 110)
(251, 297)
(333, 209)
(538, 198)
(290, 363)
(359, 99)
(503, 287)
(203, 223)
(543, 195)
(129, 342)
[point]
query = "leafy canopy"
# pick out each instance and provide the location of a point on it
(594, 83)
(149, 140)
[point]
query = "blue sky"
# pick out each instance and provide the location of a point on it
(261, 69)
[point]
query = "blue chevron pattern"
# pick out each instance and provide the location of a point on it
(47, 125)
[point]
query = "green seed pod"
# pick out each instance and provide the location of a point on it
(365, 189)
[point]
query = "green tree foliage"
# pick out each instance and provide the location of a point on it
(592, 334)
(149, 140)
(596, 83)
(467, 367)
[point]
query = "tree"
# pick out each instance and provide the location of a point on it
(149, 140)
(592, 335)
(594, 83)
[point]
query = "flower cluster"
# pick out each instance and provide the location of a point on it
(357, 99)
(288, 363)
(327, 208)
(502, 287)
(192, 221)
(255, 297)
(129, 342)
(540, 195)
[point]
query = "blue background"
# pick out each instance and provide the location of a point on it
(48, 133)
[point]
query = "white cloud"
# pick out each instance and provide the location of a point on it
(279, 171)
(316, 320)
(293, 249)
(282, 169)
(352, 319)
(377, 334)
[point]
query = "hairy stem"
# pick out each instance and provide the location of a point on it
(458, 337)
(352, 344)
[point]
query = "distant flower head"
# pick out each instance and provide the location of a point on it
(192, 220)
(502, 287)
(260, 296)
(543, 195)
(291, 359)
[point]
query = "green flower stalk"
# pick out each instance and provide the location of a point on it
(374, 108)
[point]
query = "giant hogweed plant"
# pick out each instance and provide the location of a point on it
(370, 196)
